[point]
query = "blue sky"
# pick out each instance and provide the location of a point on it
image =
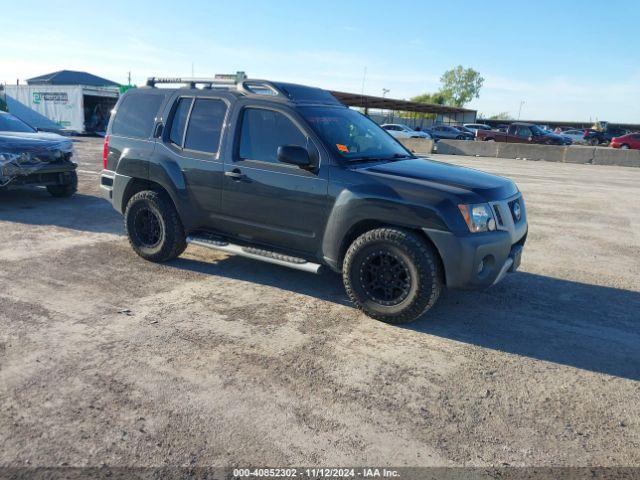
(567, 60)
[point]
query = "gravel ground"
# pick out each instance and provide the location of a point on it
(216, 360)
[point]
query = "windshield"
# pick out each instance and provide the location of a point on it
(9, 123)
(352, 135)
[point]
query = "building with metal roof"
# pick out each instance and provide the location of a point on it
(71, 77)
(393, 110)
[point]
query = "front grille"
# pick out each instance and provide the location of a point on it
(496, 209)
(512, 204)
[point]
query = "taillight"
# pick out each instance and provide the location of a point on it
(105, 152)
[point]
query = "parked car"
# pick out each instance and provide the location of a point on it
(629, 141)
(399, 130)
(566, 139)
(477, 126)
(464, 129)
(439, 132)
(598, 137)
(32, 158)
(298, 179)
(522, 133)
(576, 136)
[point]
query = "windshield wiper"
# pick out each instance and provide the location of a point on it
(395, 156)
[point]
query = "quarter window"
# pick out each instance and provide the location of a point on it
(263, 131)
(179, 121)
(136, 115)
(205, 125)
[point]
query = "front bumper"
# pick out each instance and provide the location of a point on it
(479, 260)
(40, 175)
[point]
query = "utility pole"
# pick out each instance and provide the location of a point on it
(520, 109)
(129, 77)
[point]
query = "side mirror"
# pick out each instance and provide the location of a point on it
(294, 155)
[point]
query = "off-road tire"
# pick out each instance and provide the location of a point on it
(419, 259)
(171, 238)
(66, 189)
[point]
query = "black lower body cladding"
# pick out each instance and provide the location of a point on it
(392, 275)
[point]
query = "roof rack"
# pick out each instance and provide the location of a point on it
(238, 82)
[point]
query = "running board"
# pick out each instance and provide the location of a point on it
(255, 253)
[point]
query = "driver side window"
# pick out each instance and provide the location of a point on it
(263, 131)
(523, 132)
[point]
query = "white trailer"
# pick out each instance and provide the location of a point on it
(75, 108)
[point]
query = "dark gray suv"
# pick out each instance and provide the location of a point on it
(287, 174)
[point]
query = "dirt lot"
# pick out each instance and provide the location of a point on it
(216, 360)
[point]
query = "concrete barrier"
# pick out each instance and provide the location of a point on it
(579, 154)
(419, 146)
(549, 153)
(610, 156)
(466, 147)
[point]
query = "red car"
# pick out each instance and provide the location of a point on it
(632, 140)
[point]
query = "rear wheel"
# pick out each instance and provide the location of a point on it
(392, 275)
(594, 142)
(66, 189)
(459, 137)
(153, 226)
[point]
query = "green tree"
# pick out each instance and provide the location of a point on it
(437, 98)
(460, 85)
(501, 116)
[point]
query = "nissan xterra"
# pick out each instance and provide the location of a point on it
(287, 174)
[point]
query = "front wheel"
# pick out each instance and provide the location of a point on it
(153, 226)
(392, 275)
(66, 189)
(625, 147)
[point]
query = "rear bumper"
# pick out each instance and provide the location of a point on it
(112, 186)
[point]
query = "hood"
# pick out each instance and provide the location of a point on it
(36, 143)
(489, 187)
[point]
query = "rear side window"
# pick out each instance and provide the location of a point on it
(136, 115)
(205, 125)
(179, 121)
(263, 131)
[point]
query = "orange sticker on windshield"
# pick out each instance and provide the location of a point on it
(342, 148)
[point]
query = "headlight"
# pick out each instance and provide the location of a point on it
(479, 217)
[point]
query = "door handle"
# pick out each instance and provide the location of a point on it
(235, 174)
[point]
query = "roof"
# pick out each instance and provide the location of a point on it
(70, 77)
(277, 91)
(368, 101)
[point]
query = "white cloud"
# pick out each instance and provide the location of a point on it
(562, 98)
